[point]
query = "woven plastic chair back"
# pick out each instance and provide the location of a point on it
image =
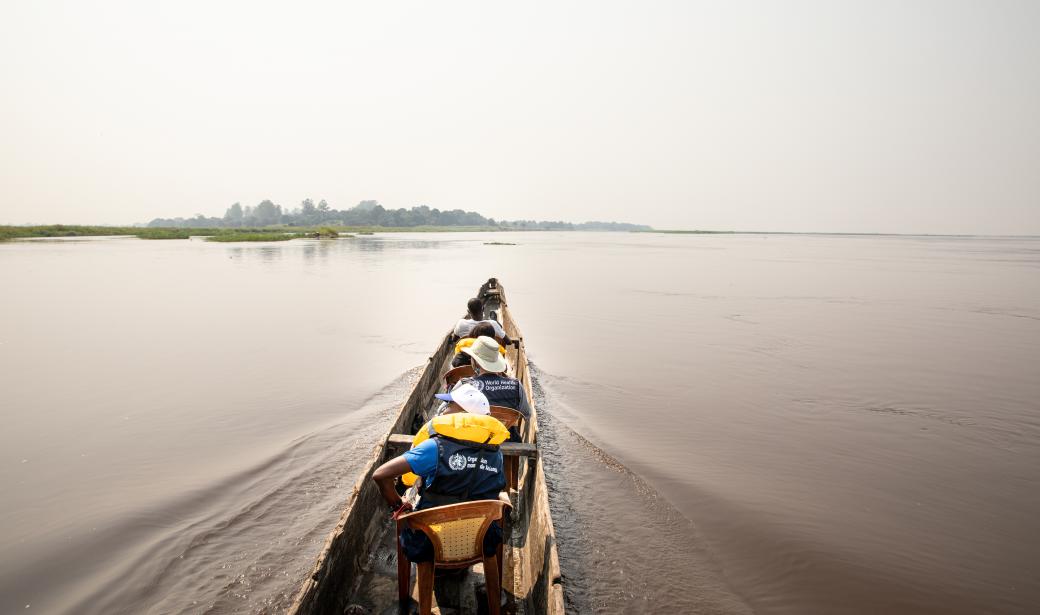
(457, 530)
(458, 538)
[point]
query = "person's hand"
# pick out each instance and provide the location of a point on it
(403, 509)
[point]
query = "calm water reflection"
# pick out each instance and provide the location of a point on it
(784, 424)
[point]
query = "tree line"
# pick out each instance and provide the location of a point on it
(370, 213)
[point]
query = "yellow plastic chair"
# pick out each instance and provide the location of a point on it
(457, 533)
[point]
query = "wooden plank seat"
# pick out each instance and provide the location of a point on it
(457, 533)
(401, 442)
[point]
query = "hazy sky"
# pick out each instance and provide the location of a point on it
(821, 116)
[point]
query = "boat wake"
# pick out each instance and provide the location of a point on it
(623, 548)
(242, 543)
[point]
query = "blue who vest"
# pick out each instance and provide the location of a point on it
(466, 471)
(500, 390)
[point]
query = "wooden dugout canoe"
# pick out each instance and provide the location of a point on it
(356, 570)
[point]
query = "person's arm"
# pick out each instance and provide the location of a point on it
(421, 460)
(524, 408)
(501, 331)
(384, 478)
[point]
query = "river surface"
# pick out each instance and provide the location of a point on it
(731, 423)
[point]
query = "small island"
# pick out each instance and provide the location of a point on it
(268, 221)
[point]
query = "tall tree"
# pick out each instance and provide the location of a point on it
(233, 216)
(267, 213)
(308, 212)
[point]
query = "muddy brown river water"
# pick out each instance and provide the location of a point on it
(775, 424)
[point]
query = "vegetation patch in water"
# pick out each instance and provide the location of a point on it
(683, 232)
(172, 233)
(325, 232)
(260, 236)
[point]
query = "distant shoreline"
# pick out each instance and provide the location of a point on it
(282, 233)
(266, 233)
(233, 234)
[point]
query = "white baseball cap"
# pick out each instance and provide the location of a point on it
(469, 398)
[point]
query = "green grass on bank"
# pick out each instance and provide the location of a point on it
(213, 234)
(64, 230)
(75, 230)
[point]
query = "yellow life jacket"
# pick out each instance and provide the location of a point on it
(466, 343)
(477, 428)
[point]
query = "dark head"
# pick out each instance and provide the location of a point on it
(482, 328)
(476, 309)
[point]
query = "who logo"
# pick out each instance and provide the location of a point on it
(457, 461)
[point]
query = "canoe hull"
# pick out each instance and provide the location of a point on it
(531, 569)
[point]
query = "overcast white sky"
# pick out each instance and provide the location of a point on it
(871, 116)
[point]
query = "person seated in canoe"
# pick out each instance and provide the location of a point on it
(483, 328)
(458, 461)
(475, 316)
(489, 368)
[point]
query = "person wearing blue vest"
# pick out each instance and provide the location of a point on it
(489, 368)
(452, 471)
